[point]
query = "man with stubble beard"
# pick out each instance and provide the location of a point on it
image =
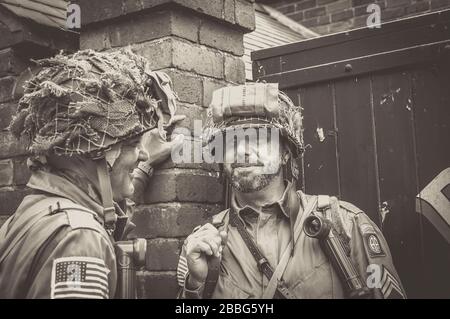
(257, 248)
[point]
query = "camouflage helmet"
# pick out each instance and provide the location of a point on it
(88, 101)
(256, 105)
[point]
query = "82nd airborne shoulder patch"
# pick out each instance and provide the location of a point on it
(373, 245)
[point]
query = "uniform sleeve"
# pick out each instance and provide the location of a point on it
(220, 221)
(372, 257)
(182, 277)
(76, 263)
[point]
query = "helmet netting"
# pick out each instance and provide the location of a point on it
(87, 102)
(289, 121)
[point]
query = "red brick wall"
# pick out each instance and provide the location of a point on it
(329, 16)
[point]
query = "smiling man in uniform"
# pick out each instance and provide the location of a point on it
(85, 116)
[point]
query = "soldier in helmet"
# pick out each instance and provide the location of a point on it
(85, 116)
(258, 248)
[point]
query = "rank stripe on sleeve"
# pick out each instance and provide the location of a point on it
(390, 287)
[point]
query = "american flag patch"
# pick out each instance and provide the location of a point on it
(79, 277)
(182, 270)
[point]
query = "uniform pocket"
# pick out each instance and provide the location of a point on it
(317, 284)
(227, 289)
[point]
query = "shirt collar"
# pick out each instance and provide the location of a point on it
(288, 205)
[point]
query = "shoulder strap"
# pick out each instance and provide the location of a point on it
(350, 207)
(212, 277)
(323, 202)
(309, 206)
(263, 264)
(220, 221)
(329, 207)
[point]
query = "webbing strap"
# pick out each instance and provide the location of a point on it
(213, 266)
(263, 264)
(109, 212)
(323, 202)
(286, 256)
(212, 277)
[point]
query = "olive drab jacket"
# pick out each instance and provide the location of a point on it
(55, 246)
(308, 272)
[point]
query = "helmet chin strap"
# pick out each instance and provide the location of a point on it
(290, 172)
(109, 212)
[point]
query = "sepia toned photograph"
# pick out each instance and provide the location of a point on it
(224, 149)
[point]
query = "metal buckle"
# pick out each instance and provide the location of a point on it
(110, 218)
(261, 263)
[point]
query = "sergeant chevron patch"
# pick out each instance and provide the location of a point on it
(390, 287)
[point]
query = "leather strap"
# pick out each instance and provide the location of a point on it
(261, 261)
(329, 207)
(109, 212)
(212, 277)
(279, 271)
(213, 268)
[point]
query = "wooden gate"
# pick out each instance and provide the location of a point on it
(377, 119)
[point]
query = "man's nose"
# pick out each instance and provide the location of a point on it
(244, 151)
(242, 147)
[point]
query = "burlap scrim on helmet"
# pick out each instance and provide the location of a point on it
(256, 105)
(88, 101)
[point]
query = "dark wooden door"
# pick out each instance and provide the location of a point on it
(377, 121)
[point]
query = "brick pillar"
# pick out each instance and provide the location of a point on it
(20, 40)
(13, 172)
(200, 45)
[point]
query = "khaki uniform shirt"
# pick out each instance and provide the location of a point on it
(309, 273)
(55, 246)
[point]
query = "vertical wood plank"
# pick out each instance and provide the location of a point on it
(393, 107)
(393, 130)
(431, 87)
(356, 145)
(320, 163)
